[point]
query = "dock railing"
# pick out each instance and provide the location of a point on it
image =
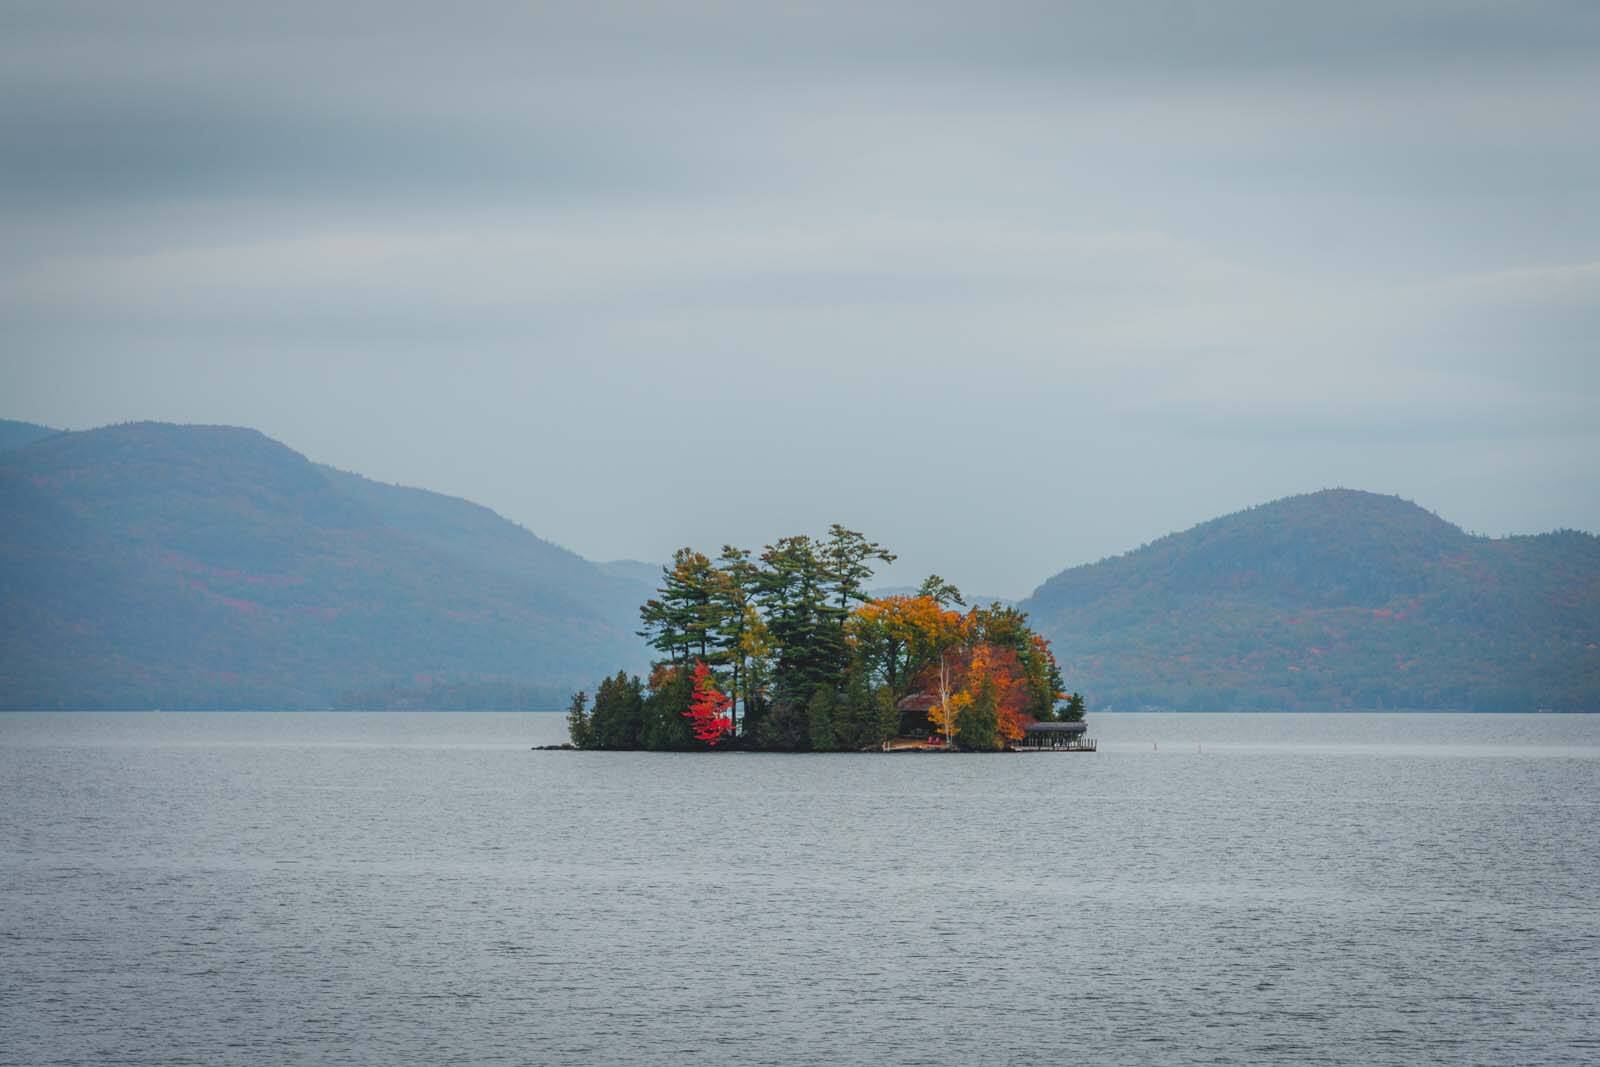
(1076, 744)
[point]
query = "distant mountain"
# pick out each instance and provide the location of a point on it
(1333, 600)
(970, 598)
(14, 434)
(647, 574)
(477, 536)
(150, 565)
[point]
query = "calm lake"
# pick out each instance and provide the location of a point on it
(422, 888)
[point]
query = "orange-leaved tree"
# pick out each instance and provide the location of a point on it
(940, 634)
(908, 641)
(993, 696)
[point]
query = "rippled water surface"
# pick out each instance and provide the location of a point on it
(377, 889)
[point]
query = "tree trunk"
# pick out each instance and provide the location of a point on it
(944, 700)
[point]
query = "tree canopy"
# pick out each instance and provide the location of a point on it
(787, 651)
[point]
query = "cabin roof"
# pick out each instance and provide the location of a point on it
(1056, 728)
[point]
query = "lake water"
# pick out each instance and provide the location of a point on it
(422, 888)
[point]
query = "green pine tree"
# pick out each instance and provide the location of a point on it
(617, 720)
(664, 727)
(578, 720)
(977, 725)
(819, 720)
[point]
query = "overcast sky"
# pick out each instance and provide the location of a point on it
(1009, 286)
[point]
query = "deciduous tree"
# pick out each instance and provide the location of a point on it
(708, 707)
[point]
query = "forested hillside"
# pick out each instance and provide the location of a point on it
(14, 434)
(1333, 600)
(151, 565)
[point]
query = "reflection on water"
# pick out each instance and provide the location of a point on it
(410, 888)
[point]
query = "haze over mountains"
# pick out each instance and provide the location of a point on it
(151, 565)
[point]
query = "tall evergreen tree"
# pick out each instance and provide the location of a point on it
(578, 720)
(820, 725)
(681, 621)
(860, 720)
(663, 726)
(809, 645)
(784, 726)
(847, 555)
(942, 592)
(618, 717)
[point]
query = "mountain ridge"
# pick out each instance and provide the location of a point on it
(17, 434)
(152, 565)
(1339, 599)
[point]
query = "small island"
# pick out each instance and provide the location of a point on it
(788, 652)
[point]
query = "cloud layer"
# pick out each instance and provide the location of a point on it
(1009, 286)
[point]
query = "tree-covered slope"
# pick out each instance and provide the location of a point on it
(14, 434)
(150, 565)
(477, 536)
(1331, 600)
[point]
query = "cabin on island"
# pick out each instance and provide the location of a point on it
(1069, 736)
(918, 714)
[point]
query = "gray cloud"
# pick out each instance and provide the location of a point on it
(1053, 277)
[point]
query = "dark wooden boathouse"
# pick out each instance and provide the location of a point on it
(1056, 737)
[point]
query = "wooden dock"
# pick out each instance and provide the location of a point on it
(1056, 737)
(1086, 744)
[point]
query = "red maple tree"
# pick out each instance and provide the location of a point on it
(708, 707)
